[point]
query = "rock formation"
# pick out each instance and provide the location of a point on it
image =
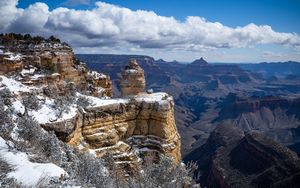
(133, 79)
(231, 159)
(128, 129)
(51, 63)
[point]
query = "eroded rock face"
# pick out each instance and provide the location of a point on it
(100, 84)
(231, 159)
(132, 129)
(129, 129)
(133, 79)
(52, 64)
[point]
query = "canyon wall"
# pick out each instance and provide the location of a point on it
(130, 129)
(52, 64)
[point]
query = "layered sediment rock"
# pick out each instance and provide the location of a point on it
(133, 79)
(231, 159)
(146, 124)
(129, 129)
(52, 63)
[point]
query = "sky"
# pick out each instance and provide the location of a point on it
(218, 30)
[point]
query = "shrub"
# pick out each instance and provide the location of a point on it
(29, 130)
(164, 174)
(4, 168)
(92, 171)
(63, 103)
(47, 144)
(50, 91)
(4, 114)
(31, 101)
(5, 96)
(53, 39)
(83, 102)
(6, 125)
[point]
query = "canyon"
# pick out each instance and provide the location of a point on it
(137, 127)
(229, 117)
(238, 126)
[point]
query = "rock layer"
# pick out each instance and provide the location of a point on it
(231, 159)
(127, 130)
(133, 79)
(52, 63)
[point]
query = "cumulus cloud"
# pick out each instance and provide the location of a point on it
(111, 25)
(8, 12)
(31, 19)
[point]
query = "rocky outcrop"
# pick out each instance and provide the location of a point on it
(53, 63)
(146, 126)
(10, 63)
(127, 129)
(231, 159)
(99, 84)
(133, 79)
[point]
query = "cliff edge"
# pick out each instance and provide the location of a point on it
(76, 103)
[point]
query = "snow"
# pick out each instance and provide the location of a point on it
(55, 74)
(25, 72)
(37, 76)
(26, 172)
(131, 71)
(68, 115)
(48, 113)
(13, 57)
(13, 85)
(159, 97)
(97, 75)
(18, 107)
(45, 113)
(96, 102)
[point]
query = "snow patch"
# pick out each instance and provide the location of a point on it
(18, 107)
(25, 72)
(48, 113)
(13, 85)
(13, 57)
(97, 75)
(26, 172)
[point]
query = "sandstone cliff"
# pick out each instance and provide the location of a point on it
(51, 63)
(133, 79)
(129, 129)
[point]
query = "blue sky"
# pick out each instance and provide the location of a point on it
(272, 27)
(282, 15)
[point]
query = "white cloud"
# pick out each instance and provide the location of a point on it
(118, 27)
(8, 12)
(31, 19)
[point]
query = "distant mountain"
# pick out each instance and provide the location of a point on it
(278, 69)
(199, 62)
